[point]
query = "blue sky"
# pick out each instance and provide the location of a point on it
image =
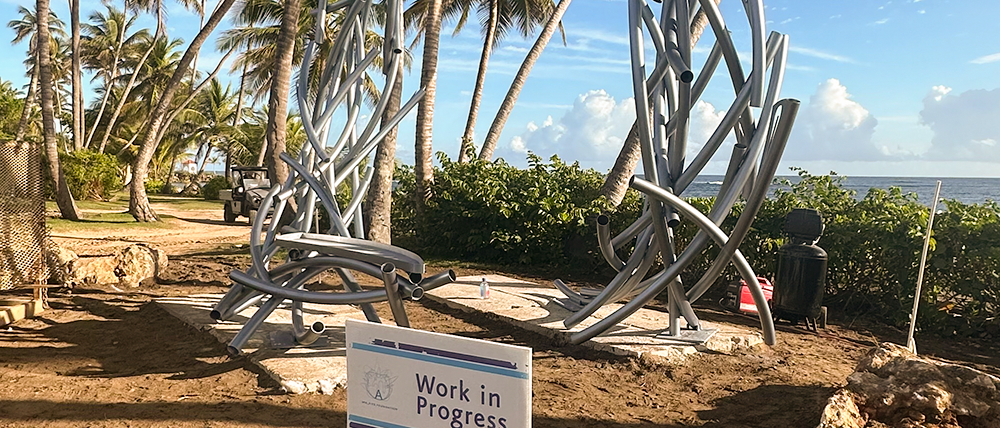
(902, 87)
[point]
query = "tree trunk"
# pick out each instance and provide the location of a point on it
(78, 125)
(138, 201)
(423, 162)
(108, 85)
(490, 144)
(378, 202)
(29, 103)
(64, 199)
(616, 183)
(125, 94)
(277, 105)
(477, 93)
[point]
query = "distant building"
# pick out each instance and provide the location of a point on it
(189, 166)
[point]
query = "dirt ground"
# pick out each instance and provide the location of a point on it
(102, 358)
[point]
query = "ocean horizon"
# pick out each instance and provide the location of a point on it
(963, 189)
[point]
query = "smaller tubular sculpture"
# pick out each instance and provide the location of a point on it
(329, 162)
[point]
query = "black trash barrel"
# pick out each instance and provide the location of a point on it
(800, 283)
(801, 278)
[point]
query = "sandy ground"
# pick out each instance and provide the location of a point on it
(106, 359)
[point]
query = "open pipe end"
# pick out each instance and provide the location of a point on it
(215, 315)
(603, 220)
(417, 293)
(416, 277)
(388, 267)
(233, 351)
(318, 327)
(687, 76)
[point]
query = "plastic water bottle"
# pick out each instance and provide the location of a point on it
(484, 289)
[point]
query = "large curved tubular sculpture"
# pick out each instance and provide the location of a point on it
(664, 98)
(330, 161)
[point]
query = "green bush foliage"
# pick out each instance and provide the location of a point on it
(91, 175)
(153, 187)
(210, 190)
(543, 216)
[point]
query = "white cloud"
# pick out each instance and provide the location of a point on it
(816, 53)
(986, 59)
(832, 126)
(921, 11)
(591, 131)
(881, 21)
(964, 125)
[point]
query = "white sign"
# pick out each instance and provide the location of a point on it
(405, 378)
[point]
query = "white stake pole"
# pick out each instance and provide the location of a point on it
(920, 274)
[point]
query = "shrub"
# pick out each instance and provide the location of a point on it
(211, 189)
(153, 186)
(91, 175)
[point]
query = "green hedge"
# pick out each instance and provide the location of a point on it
(543, 216)
(211, 189)
(91, 175)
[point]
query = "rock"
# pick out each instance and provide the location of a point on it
(62, 263)
(137, 263)
(130, 267)
(893, 387)
(841, 412)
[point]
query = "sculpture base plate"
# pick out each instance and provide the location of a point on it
(286, 340)
(689, 336)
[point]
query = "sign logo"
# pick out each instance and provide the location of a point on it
(378, 383)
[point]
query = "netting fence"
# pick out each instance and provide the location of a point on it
(23, 235)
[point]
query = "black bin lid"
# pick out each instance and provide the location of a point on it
(805, 223)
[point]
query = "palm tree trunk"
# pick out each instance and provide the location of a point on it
(29, 103)
(77, 71)
(108, 85)
(277, 113)
(378, 207)
(138, 201)
(236, 121)
(490, 144)
(125, 94)
(616, 183)
(64, 199)
(423, 162)
(477, 93)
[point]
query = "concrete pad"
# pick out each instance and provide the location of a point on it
(320, 367)
(531, 306)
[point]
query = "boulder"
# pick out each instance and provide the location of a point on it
(137, 263)
(893, 387)
(62, 262)
(128, 268)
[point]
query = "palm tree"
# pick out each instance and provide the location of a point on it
(64, 199)
(77, 83)
(138, 201)
(214, 113)
(24, 28)
(377, 211)
(104, 46)
(490, 144)
(277, 105)
(423, 162)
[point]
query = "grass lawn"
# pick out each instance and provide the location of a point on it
(122, 220)
(119, 202)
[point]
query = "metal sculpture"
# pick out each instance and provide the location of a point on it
(664, 98)
(317, 173)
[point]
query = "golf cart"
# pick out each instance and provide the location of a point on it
(250, 185)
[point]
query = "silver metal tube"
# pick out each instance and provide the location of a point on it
(305, 336)
(392, 292)
(604, 243)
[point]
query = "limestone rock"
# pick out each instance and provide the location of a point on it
(893, 387)
(841, 412)
(137, 263)
(62, 263)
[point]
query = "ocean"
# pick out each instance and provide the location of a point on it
(965, 190)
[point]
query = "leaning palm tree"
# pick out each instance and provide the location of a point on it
(497, 19)
(138, 201)
(24, 28)
(105, 44)
(277, 105)
(64, 199)
(490, 143)
(77, 72)
(423, 162)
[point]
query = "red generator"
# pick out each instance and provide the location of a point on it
(738, 298)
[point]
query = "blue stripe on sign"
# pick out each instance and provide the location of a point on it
(439, 360)
(373, 422)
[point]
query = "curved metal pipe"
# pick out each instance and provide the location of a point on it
(392, 292)
(305, 336)
(604, 243)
